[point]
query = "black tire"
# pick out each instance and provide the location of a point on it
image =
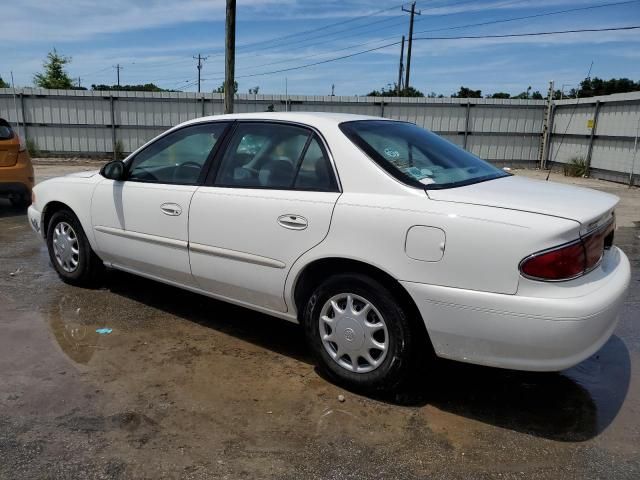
(403, 339)
(89, 266)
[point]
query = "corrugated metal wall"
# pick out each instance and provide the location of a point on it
(507, 132)
(600, 130)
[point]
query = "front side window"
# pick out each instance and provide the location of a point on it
(418, 157)
(177, 158)
(273, 155)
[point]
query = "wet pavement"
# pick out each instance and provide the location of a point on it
(189, 387)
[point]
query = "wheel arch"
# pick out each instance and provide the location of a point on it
(49, 210)
(313, 273)
(53, 206)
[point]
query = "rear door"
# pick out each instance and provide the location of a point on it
(268, 201)
(140, 224)
(9, 145)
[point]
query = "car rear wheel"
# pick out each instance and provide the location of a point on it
(359, 333)
(70, 251)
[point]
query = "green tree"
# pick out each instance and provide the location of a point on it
(537, 95)
(4, 84)
(591, 87)
(147, 87)
(392, 91)
(54, 74)
(254, 90)
(500, 95)
(220, 89)
(465, 92)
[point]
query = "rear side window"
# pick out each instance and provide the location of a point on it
(315, 171)
(6, 133)
(276, 156)
(418, 157)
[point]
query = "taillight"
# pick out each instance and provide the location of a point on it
(570, 260)
(559, 264)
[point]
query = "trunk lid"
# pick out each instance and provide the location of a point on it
(583, 205)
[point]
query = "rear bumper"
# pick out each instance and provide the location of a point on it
(14, 188)
(17, 179)
(539, 333)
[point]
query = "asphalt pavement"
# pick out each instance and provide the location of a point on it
(188, 387)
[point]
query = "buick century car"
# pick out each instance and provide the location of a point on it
(385, 241)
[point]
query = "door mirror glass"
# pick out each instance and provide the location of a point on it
(113, 170)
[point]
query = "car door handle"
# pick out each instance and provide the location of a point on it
(293, 222)
(171, 209)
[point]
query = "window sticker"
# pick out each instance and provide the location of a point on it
(391, 152)
(421, 174)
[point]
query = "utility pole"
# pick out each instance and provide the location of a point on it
(118, 68)
(230, 56)
(547, 124)
(79, 82)
(200, 59)
(399, 86)
(333, 89)
(413, 12)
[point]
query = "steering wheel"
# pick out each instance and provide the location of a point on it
(190, 164)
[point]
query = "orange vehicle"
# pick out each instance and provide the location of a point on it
(16, 170)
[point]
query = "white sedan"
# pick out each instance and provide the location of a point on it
(385, 241)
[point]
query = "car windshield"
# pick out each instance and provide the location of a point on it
(418, 157)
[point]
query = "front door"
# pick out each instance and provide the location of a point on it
(141, 224)
(271, 200)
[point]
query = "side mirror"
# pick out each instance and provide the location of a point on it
(113, 170)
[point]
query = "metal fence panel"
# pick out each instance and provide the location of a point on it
(503, 131)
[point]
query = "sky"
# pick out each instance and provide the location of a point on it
(155, 41)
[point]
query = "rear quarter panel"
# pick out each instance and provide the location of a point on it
(482, 250)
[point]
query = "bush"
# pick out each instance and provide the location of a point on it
(32, 148)
(577, 167)
(119, 150)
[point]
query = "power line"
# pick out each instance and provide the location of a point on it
(305, 32)
(537, 15)
(532, 34)
(400, 22)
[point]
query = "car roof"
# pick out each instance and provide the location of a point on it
(315, 119)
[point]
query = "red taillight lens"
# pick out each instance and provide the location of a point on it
(561, 264)
(595, 244)
(571, 260)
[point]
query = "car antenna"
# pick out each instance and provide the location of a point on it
(568, 123)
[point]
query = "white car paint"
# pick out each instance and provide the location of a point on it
(456, 251)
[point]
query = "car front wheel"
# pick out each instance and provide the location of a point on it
(359, 333)
(70, 251)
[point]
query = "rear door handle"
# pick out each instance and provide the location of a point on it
(171, 209)
(293, 222)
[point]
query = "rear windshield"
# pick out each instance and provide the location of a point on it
(418, 157)
(5, 130)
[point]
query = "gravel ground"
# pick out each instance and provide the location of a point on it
(188, 387)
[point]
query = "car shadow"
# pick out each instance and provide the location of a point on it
(262, 330)
(7, 210)
(574, 405)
